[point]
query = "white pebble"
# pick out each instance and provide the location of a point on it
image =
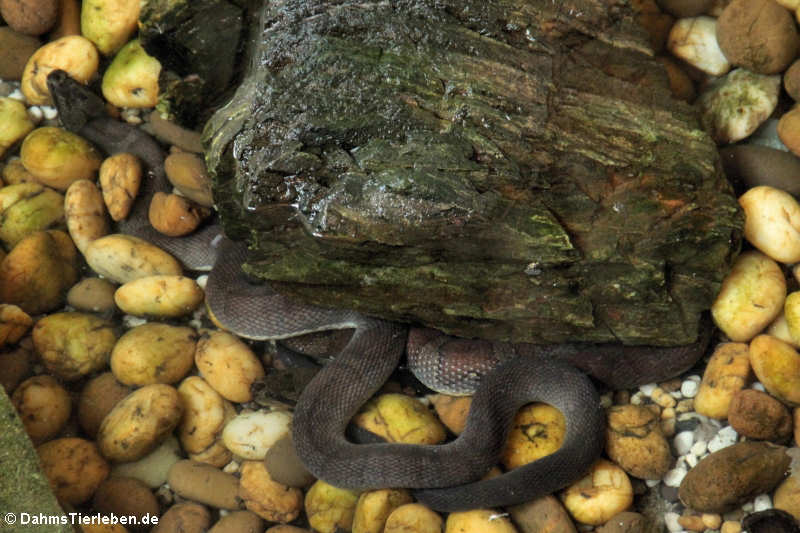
(678, 395)
(695, 41)
(689, 388)
(50, 112)
(691, 460)
(35, 113)
(652, 482)
(694, 377)
(683, 442)
(762, 502)
(130, 321)
(637, 398)
(674, 477)
(647, 389)
(724, 438)
(202, 280)
(250, 434)
(747, 507)
(671, 521)
(758, 386)
(699, 448)
(16, 94)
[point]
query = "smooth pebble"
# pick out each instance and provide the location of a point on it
(689, 388)
(671, 521)
(699, 448)
(762, 502)
(724, 438)
(674, 477)
(683, 442)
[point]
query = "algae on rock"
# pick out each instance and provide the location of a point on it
(513, 170)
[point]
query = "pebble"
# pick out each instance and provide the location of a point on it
(730, 526)
(647, 389)
(726, 120)
(694, 41)
(671, 520)
(699, 448)
(674, 477)
(762, 502)
(757, 415)
(728, 478)
(689, 388)
(759, 35)
(683, 442)
(724, 438)
(696, 435)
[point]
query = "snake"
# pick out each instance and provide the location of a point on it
(502, 376)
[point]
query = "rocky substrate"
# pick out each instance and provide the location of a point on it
(135, 417)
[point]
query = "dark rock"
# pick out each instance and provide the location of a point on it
(507, 170)
(733, 475)
(770, 521)
(197, 44)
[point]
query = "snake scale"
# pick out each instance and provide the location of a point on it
(446, 476)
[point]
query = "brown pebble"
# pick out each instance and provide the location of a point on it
(184, 517)
(187, 172)
(727, 478)
(171, 133)
(796, 420)
(205, 484)
(17, 48)
(545, 514)
(174, 215)
(97, 399)
(680, 83)
(92, 294)
(757, 415)
(791, 80)
(69, 20)
(789, 130)
(749, 165)
(31, 17)
(15, 366)
(624, 522)
(685, 8)
(284, 466)
(126, 496)
(238, 522)
(654, 22)
(759, 35)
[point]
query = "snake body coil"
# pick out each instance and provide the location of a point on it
(446, 474)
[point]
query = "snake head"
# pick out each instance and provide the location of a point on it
(76, 103)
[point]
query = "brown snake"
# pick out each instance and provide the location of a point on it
(446, 474)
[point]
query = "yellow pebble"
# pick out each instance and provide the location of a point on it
(711, 520)
(662, 397)
(729, 526)
(692, 523)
